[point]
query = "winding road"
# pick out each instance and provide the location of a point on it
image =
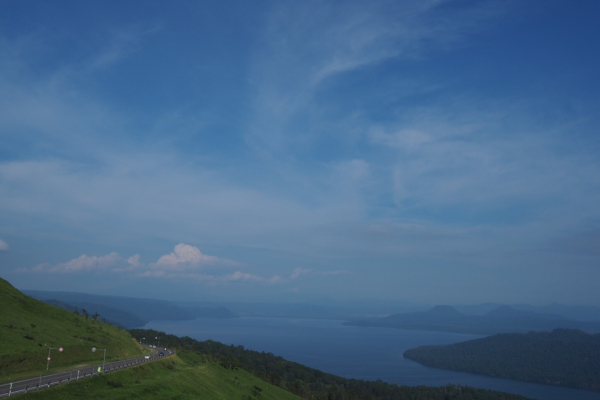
(45, 381)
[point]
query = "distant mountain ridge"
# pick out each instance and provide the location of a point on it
(113, 316)
(129, 312)
(343, 310)
(573, 312)
(503, 319)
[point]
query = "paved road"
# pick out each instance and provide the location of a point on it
(44, 381)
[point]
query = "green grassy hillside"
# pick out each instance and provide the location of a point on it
(29, 327)
(185, 376)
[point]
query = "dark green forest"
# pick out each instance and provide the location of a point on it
(310, 383)
(563, 357)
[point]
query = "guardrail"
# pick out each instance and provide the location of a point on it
(28, 385)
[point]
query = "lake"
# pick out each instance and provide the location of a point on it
(354, 352)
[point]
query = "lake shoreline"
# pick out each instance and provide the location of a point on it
(355, 352)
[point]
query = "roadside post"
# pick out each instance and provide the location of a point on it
(10, 390)
(104, 361)
(50, 349)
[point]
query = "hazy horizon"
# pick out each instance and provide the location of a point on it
(438, 152)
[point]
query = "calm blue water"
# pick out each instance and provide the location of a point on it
(354, 352)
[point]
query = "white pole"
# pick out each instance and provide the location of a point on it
(48, 363)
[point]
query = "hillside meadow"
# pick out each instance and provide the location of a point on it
(185, 376)
(28, 328)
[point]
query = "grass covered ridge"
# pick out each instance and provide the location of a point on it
(28, 327)
(185, 376)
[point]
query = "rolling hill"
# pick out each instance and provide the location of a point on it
(28, 328)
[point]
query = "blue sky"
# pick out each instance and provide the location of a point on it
(427, 151)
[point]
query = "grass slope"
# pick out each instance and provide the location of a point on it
(29, 327)
(184, 376)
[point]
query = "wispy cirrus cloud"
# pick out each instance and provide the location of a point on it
(311, 134)
(306, 45)
(496, 156)
(121, 44)
(3, 246)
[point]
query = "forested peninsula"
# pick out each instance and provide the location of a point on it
(563, 357)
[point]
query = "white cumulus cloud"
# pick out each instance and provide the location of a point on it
(184, 262)
(134, 260)
(186, 254)
(185, 257)
(83, 263)
(3, 245)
